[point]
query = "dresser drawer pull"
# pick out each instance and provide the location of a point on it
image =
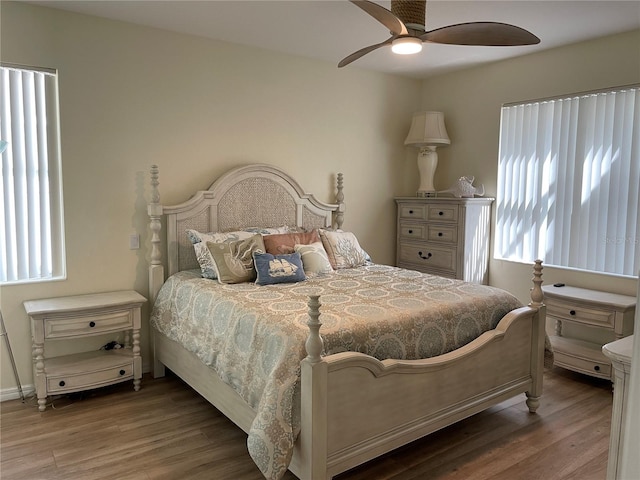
(410, 212)
(439, 234)
(427, 257)
(61, 383)
(122, 372)
(92, 324)
(410, 231)
(572, 312)
(597, 368)
(440, 213)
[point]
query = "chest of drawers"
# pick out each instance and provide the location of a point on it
(444, 236)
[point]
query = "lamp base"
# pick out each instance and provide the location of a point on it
(427, 163)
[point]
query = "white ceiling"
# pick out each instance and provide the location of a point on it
(332, 29)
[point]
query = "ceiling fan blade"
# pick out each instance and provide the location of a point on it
(492, 34)
(383, 15)
(363, 51)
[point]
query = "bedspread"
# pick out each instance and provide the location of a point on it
(253, 336)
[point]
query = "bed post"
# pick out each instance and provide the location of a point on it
(537, 353)
(340, 202)
(154, 209)
(313, 433)
(156, 269)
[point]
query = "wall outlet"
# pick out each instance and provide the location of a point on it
(134, 241)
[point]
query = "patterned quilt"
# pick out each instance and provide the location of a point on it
(253, 336)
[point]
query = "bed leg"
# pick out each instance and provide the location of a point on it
(532, 403)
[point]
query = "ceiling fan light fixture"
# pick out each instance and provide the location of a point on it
(406, 45)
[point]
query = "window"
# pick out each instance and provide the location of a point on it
(31, 226)
(569, 180)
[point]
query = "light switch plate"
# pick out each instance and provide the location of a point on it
(134, 241)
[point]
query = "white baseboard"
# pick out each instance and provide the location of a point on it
(14, 394)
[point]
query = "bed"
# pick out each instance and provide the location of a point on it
(350, 393)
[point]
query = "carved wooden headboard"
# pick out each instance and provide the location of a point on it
(250, 196)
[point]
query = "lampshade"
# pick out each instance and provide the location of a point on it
(427, 128)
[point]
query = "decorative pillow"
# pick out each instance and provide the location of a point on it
(284, 242)
(314, 258)
(234, 260)
(343, 249)
(273, 269)
(199, 240)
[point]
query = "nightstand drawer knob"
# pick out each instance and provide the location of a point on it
(410, 212)
(597, 368)
(62, 383)
(92, 324)
(427, 257)
(572, 312)
(439, 234)
(440, 213)
(122, 372)
(410, 231)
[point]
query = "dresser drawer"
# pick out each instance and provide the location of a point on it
(442, 233)
(429, 255)
(580, 313)
(413, 231)
(442, 213)
(417, 212)
(88, 324)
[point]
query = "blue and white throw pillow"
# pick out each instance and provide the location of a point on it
(272, 269)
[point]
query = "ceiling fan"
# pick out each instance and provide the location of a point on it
(406, 22)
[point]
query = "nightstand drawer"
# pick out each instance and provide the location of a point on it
(582, 314)
(583, 365)
(87, 324)
(442, 213)
(413, 231)
(418, 212)
(83, 381)
(429, 255)
(85, 370)
(442, 233)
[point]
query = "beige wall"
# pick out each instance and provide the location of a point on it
(471, 101)
(132, 96)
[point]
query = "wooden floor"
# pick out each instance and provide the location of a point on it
(167, 431)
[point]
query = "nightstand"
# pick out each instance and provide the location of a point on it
(78, 317)
(444, 236)
(585, 320)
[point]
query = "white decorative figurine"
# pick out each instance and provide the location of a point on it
(463, 188)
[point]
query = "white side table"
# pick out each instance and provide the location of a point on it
(77, 317)
(620, 354)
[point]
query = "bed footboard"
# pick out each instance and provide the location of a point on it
(356, 408)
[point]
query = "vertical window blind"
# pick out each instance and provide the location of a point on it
(569, 181)
(31, 218)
